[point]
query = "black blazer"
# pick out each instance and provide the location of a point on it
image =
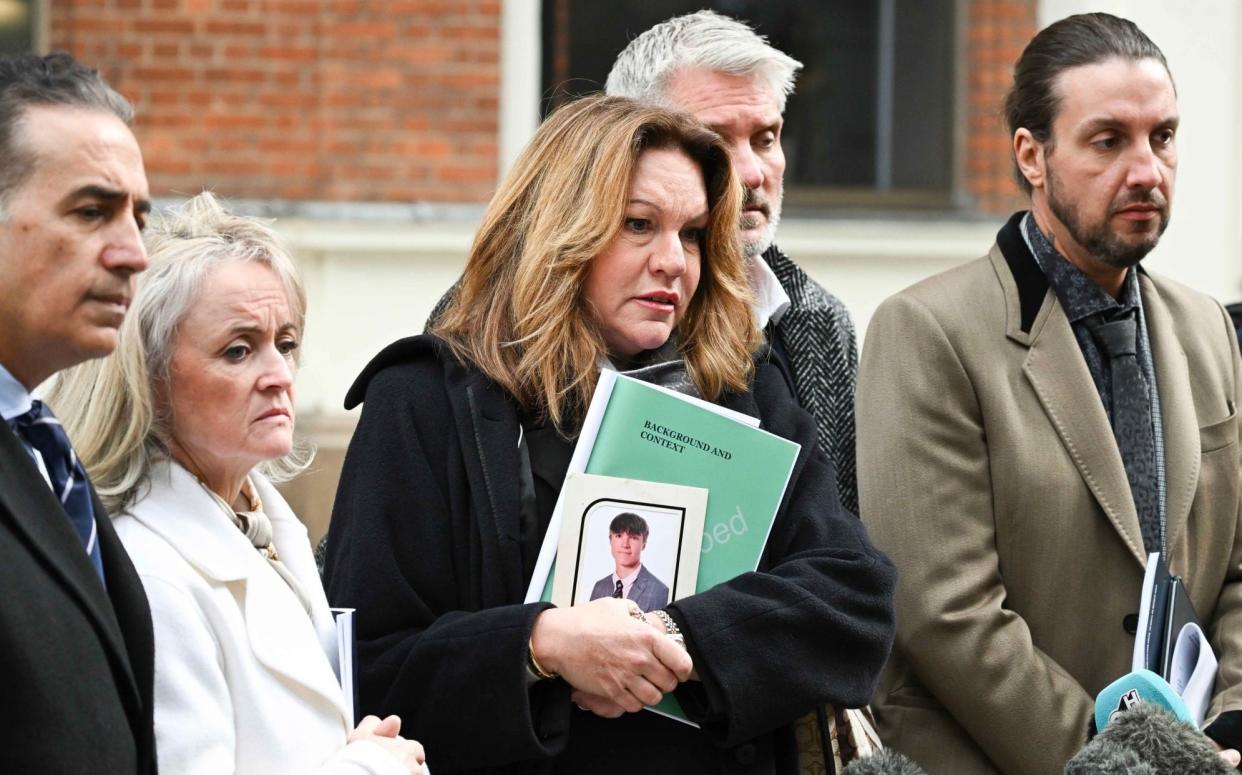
(77, 662)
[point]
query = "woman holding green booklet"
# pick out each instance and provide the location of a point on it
(614, 241)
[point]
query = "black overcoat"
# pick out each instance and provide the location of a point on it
(424, 542)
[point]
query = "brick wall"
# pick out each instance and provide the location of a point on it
(342, 100)
(996, 32)
(386, 100)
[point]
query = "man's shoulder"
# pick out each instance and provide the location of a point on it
(960, 294)
(1186, 300)
(602, 587)
(1202, 324)
(651, 577)
(948, 287)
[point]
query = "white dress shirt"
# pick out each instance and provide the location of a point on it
(771, 301)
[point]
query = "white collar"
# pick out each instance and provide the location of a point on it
(771, 301)
(186, 515)
(626, 581)
(14, 398)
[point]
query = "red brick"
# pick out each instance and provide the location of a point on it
(234, 27)
(366, 30)
(164, 25)
(222, 75)
(325, 99)
(289, 53)
(161, 74)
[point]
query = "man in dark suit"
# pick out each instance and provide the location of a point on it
(75, 630)
(1036, 422)
(627, 537)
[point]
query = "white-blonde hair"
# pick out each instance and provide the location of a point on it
(706, 40)
(108, 406)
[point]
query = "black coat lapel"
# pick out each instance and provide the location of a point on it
(489, 427)
(36, 515)
(1031, 282)
(133, 613)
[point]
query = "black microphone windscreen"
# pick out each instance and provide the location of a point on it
(1148, 740)
(885, 762)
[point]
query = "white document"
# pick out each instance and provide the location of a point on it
(1193, 671)
(346, 668)
(1139, 659)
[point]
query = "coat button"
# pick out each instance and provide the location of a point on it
(745, 754)
(1130, 623)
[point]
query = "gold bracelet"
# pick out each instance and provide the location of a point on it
(533, 664)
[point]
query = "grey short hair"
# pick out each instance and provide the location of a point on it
(28, 81)
(108, 406)
(704, 39)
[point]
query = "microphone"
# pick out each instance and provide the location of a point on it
(1148, 740)
(1135, 689)
(883, 762)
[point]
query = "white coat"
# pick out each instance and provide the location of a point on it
(244, 679)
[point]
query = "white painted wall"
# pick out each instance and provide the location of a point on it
(520, 78)
(367, 285)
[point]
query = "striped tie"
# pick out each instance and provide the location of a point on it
(54, 456)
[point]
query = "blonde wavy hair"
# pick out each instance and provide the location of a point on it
(519, 314)
(109, 406)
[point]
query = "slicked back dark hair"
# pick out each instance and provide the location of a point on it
(1075, 41)
(29, 80)
(628, 522)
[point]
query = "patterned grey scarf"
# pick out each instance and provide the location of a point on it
(257, 527)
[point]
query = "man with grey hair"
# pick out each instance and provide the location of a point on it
(75, 634)
(731, 79)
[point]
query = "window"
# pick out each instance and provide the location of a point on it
(871, 122)
(18, 26)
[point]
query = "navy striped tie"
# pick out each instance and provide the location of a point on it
(41, 430)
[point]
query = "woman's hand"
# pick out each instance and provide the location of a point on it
(386, 735)
(610, 658)
(658, 623)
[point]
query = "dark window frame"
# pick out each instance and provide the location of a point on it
(810, 199)
(36, 30)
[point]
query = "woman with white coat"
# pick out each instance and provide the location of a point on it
(182, 431)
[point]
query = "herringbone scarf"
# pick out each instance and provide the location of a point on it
(818, 335)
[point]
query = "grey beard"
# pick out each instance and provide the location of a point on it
(755, 248)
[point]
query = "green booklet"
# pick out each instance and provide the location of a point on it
(637, 430)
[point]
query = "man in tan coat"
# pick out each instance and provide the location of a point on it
(1032, 424)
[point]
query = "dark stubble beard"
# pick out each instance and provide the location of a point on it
(1098, 239)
